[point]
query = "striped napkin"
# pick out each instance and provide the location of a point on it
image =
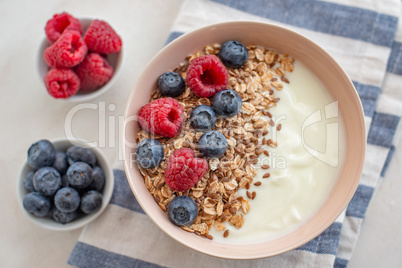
(364, 37)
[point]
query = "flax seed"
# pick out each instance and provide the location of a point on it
(269, 142)
(257, 133)
(226, 233)
(254, 139)
(266, 175)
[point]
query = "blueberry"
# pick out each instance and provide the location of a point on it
(28, 182)
(171, 84)
(182, 210)
(79, 175)
(37, 204)
(64, 181)
(149, 153)
(212, 144)
(63, 217)
(91, 202)
(41, 154)
(98, 179)
(47, 181)
(227, 103)
(67, 199)
(60, 163)
(79, 154)
(233, 54)
(203, 118)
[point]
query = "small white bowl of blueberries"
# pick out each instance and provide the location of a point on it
(64, 186)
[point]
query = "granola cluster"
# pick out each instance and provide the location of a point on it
(217, 192)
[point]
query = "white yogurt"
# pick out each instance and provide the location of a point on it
(304, 166)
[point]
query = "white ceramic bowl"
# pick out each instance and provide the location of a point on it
(62, 144)
(115, 59)
(325, 68)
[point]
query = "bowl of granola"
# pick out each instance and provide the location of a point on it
(243, 133)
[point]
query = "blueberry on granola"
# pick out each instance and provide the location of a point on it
(227, 103)
(203, 118)
(182, 210)
(149, 153)
(233, 54)
(171, 84)
(212, 144)
(41, 154)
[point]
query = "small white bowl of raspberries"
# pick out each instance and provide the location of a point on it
(79, 58)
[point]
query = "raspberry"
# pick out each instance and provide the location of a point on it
(206, 75)
(62, 83)
(163, 116)
(101, 38)
(68, 51)
(183, 170)
(60, 23)
(94, 71)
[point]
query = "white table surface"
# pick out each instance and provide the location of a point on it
(29, 114)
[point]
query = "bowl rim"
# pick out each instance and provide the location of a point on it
(49, 223)
(40, 64)
(316, 232)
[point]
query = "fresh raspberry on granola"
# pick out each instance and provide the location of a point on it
(68, 51)
(206, 75)
(163, 117)
(60, 23)
(62, 83)
(94, 71)
(100, 37)
(184, 170)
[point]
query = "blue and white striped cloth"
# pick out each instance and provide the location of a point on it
(365, 38)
